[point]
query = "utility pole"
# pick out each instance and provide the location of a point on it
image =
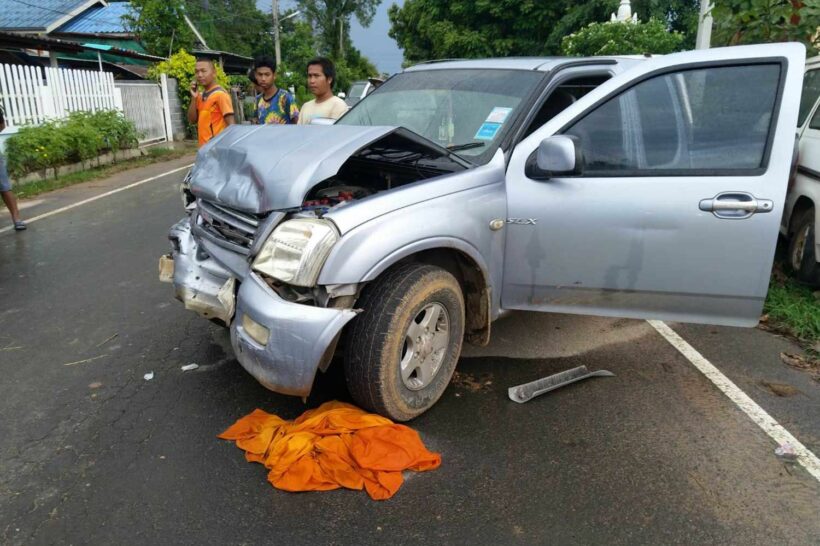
(704, 37)
(275, 6)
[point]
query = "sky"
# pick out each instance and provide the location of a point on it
(373, 41)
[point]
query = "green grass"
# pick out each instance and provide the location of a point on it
(154, 155)
(793, 308)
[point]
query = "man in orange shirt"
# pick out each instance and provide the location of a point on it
(211, 110)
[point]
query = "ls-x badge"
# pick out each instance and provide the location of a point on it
(522, 221)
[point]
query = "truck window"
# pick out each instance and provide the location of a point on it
(563, 96)
(811, 91)
(683, 122)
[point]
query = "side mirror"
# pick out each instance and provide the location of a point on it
(556, 156)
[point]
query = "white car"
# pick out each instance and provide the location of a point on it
(801, 216)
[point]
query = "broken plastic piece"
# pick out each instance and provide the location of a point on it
(528, 391)
(786, 452)
(189, 367)
(166, 269)
(149, 376)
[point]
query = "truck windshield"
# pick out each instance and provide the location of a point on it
(466, 110)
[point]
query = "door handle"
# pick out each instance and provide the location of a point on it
(735, 205)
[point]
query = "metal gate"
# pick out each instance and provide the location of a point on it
(142, 104)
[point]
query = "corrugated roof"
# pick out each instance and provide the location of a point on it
(99, 20)
(39, 15)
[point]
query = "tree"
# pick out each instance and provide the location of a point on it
(237, 26)
(619, 38)
(436, 29)
(160, 26)
(761, 21)
(332, 20)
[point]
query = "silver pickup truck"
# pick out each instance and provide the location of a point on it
(629, 187)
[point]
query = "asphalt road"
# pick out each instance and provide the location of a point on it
(92, 453)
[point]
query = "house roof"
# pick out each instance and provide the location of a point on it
(40, 15)
(43, 43)
(99, 20)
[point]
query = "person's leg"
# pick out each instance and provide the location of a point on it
(11, 204)
(8, 197)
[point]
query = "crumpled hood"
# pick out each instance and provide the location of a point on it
(262, 168)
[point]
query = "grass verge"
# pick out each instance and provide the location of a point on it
(793, 309)
(154, 155)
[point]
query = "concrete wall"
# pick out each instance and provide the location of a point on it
(177, 115)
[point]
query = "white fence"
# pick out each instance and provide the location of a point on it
(30, 95)
(142, 103)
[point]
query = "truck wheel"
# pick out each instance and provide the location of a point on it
(403, 347)
(802, 256)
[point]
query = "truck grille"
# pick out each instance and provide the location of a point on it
(228, 226)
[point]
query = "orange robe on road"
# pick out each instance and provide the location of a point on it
(335, 445)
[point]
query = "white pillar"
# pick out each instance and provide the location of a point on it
(166, 107)
(704, 37)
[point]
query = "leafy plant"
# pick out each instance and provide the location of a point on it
(617, 38)
(79, 137)
(762, 21)
(181, 66)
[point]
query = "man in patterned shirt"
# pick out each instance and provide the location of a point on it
(273, 105)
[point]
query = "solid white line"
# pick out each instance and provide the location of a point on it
(757, 414)
(91, 199)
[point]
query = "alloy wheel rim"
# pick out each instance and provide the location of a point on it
(425, 346)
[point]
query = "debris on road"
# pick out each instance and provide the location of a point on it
(786, 452)
(189, 367)
(335, 445)
(149, 376)
(95, 385)
(528, 391)
(106, 340)
(84, 361)
(471, 382)
(809, 364)
(783, 390)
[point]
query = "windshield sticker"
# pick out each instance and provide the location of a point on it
(487, 131)
(498, 115)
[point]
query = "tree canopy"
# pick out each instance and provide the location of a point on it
(332, 20)
(760, 21)
(619, 38)
(435, 29)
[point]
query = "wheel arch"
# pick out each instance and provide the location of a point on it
(803, 204)
(465, 263)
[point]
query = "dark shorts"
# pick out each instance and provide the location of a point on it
(5, 182)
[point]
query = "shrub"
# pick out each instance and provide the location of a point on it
(181, 66)
(79, 137)
(617, 38)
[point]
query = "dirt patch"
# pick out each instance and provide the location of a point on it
(473, 383)
(783, 390)
(801, 362)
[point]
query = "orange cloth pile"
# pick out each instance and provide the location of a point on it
(335, 445)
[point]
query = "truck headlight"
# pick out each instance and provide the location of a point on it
(296, 251)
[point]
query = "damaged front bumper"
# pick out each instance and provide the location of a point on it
(299, 338)
(203, 285)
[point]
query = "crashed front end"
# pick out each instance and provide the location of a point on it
(250, 252)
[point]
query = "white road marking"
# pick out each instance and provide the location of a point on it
(100, 196)
(757, 414)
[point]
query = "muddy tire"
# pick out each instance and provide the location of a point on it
(802, 258)
(402, 349)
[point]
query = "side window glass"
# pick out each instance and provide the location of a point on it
(815, 120)
(711, 119)
(811, 91)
